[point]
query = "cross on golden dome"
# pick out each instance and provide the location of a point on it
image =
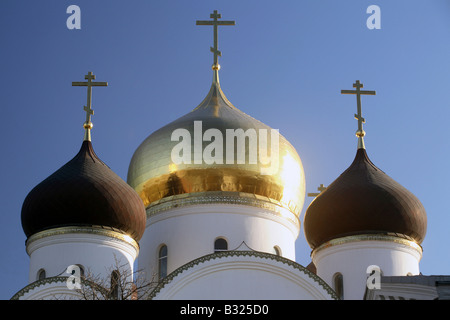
(88, 108)
(360, 133)
(215, 23)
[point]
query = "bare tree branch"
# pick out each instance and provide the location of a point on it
(119, 284)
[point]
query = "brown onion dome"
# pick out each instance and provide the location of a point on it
(84, 192)
(364, 200)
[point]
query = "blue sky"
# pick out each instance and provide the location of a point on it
(284, 63)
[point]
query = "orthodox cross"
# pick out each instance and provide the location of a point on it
(320, 189)
(360, 133)
(88, 108)
(215, 23)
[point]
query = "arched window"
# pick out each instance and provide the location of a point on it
(41, 274)
(115, 285)
(162, 262)
(338, 284)
(220, 245)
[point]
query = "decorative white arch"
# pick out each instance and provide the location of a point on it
(242, 275)
(52, 288)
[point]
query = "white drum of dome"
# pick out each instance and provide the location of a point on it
(213, 152)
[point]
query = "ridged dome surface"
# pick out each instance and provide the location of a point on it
(364, 200)
(84, 192)
(155, 176)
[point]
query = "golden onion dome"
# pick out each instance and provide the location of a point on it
(185, 162)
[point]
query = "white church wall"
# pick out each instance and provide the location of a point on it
(189, 232)
(352, 259)
(49, 289)
(93, 252)
(243, 275)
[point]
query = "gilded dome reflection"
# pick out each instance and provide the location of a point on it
(268, 167)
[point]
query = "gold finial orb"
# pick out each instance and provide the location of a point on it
(216, 66)
(88, 125)
(360, 133)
